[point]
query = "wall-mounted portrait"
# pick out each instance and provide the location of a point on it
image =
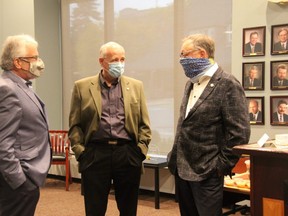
(279, 39)
(256, 110)
(279, 75)
(279, 110)
(253, 75)
(254, 41)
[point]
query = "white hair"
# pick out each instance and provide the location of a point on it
(15, 47)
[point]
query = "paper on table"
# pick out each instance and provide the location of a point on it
(262, 140)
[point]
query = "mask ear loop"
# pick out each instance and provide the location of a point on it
(16, 62)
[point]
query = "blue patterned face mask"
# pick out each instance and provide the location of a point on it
(116, 69)
(194, 67)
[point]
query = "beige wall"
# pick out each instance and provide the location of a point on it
(16, 17)
(41, 20)
(246, 14)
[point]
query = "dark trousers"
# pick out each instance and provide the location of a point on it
(204, 198)
(120, 164)
(19, 202)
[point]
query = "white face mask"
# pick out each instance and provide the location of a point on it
(36, 67)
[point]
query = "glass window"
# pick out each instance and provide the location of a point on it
(151, 32)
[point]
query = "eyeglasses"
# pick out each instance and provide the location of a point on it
(186, 53)
(29, 57)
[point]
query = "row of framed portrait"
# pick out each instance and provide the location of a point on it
(253, 74)
(278, 110)
(254, 40)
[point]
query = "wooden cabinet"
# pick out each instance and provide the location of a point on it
(268, 174)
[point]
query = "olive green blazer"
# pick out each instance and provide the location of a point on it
(86, 108)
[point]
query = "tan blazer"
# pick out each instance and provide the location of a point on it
(86, 108)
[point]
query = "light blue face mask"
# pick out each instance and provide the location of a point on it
(116, 69)
(194, 68)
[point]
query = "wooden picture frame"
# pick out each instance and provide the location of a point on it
(279, 39)
(253, 74)
(279, 75)
(256, 110)
(279, 106)
(254, 41)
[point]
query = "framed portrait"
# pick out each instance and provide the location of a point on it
(254, 41)
(279, 75)
(253, 74)
(279, 110)
(256, 110)
(279, 39)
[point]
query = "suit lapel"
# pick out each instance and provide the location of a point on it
(125, 86)
(207, 91)
(187, 91)
(95, 91)
(32, 95)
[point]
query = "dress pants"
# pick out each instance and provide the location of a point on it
(120, 164)
(19, 202)
(204, 198)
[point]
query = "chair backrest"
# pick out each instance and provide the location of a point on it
(59, 141)
(240, 166)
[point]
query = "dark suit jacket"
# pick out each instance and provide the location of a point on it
(278, 47)
(258, 48)
(85, 114)
(256, 83)
(25, 144)
(275, 117)
(275, 82)
(259, 117)
(217, 122)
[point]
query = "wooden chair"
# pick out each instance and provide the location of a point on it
(61, 152)
(237, 200)
(240, 166)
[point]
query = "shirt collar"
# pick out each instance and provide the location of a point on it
(103, 82)
(210, 72)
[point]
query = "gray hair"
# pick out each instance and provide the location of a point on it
(253, 67)
(253, 33)
(281, 66)
(15, 47)
(106, 46)
(283, 29)
(201, 41)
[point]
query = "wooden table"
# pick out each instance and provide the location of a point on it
(156, 164)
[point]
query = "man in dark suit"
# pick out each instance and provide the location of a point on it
(251, 81)
(280, 79)
(282, 46)
(255, 114)
(280, 115)
(213, 119)
(25, 152)
(253, 46)
(109, 133)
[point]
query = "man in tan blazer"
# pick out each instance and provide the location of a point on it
(109, 133)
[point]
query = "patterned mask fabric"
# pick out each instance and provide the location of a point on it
(194, 68)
